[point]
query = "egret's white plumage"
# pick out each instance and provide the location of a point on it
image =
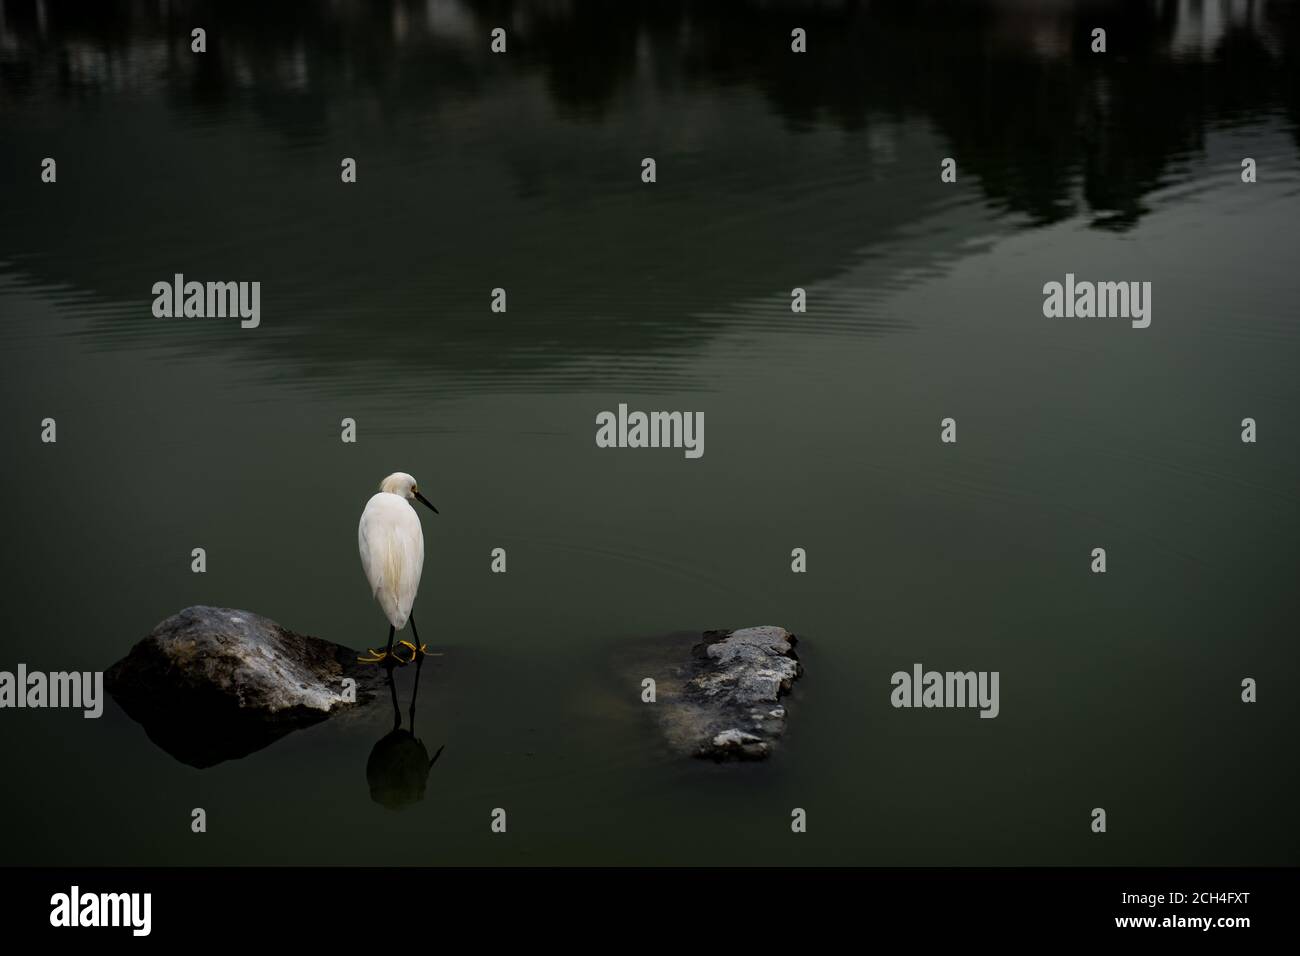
(392, 547)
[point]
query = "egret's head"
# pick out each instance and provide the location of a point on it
(404, 485)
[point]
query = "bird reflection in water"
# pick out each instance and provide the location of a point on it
(399, 764)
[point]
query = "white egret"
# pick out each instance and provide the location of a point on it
(392, 555)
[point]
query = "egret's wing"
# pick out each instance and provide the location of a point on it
(391, 543)
(367, 539)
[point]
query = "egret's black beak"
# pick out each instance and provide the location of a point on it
(425, 500)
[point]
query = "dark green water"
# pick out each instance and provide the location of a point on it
(774, 171)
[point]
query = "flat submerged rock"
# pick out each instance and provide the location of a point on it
(211, 684)
(723, 703)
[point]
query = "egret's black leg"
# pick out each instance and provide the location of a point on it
(418, 650)
(415, 691)
(415, 632)
(388, 654)
(415, 648)
(386, 657)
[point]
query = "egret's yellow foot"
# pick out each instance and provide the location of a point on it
(415, 651)
(376, 657)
